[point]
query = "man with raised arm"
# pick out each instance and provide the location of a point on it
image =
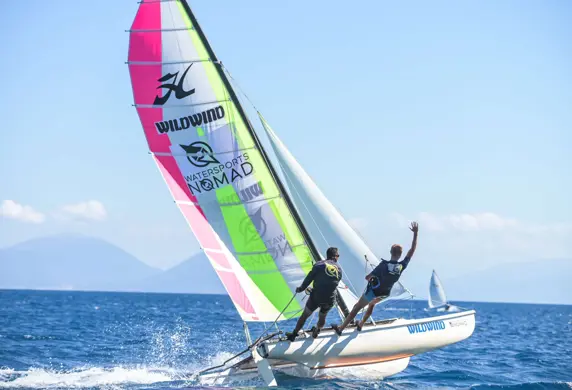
(380, 281)
(326, 275)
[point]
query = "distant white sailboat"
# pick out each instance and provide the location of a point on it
(437, 299)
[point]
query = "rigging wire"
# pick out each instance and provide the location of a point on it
(258, 340)
(287, 177)
(293, 187)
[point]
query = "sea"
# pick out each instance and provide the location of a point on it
(108, 340)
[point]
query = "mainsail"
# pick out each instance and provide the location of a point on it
(214, 165)
(437, 296)
(325, 223)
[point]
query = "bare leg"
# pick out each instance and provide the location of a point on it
(369, 311)
(321, 320)
(302, 320)
(355, 310)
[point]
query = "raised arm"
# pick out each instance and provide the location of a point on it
(415, 229)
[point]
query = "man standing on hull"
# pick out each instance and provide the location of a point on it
(326, 275)
(380, 282)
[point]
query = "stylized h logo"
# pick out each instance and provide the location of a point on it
(180, 93)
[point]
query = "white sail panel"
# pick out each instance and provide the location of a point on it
(437, 296)
(326, 225)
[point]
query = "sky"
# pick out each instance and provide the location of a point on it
(454, 114)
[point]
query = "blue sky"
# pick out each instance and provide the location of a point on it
(456, 114)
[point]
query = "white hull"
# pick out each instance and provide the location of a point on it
(248, 372)
(383, 342)
(378, 351)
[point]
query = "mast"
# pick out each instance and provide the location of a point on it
(250, 128)
(311, 245)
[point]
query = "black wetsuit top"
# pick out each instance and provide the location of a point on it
(326, 275)
(386, 274)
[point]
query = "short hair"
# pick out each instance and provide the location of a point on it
(331, 252)
(395, 249)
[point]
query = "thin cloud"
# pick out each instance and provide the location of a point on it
(491, 235)
(13, 210)
(89, 210)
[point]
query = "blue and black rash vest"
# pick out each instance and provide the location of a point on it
(326, 275)
(386, 274)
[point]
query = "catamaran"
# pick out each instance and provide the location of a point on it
(437, 299)
(259, 218)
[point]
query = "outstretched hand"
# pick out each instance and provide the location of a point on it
(299, 289)
(414, 227)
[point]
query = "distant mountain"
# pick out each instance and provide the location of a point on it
(543, 281)
(86, 263)
(70, 262)
(195, 275)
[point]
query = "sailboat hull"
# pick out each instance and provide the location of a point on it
(384, 342)
(247, 371)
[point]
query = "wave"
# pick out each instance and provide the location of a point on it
(118, 377)
(528, 386)
(103, 377)
(86, 377)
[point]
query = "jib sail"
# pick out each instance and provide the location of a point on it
(326, 225)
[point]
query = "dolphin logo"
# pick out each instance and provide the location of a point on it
(200, 154)
(259, 223)
(253, 226)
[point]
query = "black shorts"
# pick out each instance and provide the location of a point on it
(312, 305)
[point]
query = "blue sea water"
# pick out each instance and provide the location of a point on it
(99, 340)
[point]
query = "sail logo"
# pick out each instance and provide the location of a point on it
(217, 173)
(278, 246)
(461, 322)
(180, 92)
(185, 122)
(253, 226)
(200, 154)
(251, 192)
(426, 327)
(245, 195)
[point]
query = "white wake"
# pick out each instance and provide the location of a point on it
(85, 377)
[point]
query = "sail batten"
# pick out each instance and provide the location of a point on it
(159, 30)
(169, 62)
(218, 153)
